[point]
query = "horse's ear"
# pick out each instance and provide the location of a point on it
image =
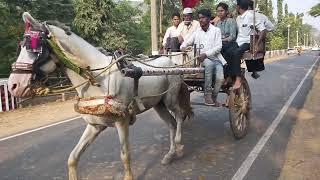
(30, 21)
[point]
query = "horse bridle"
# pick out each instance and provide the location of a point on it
(35, 42)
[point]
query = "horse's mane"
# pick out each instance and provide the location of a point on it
(74, 44)
(61, 25)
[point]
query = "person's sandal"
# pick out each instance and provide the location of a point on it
(234, 88)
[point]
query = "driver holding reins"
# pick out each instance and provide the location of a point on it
(209, 38)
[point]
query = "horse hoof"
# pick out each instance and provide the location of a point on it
(128, 178)
(179, 154)
(166, 160)
(179, 151)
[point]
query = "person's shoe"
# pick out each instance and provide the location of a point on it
(255, 75)
(208, 100)
(216, 103)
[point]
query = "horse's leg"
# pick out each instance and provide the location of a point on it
(88, 136)
(182, 110)
(123, 132)
(170, 121)
(177, 139)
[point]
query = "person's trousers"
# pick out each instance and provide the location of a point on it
(227, 53)
(213, 70)
(235, 63)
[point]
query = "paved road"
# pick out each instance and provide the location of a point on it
(210, 150)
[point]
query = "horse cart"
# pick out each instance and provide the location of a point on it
(105, 95)
(238, 101)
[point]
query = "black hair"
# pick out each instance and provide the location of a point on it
(250, 4)
(205, 12)
(175, 14)
(243, 4)
(224, 6)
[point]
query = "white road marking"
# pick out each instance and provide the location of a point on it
(247, 163)
(37, 129)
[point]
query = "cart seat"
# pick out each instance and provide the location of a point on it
(248, 55)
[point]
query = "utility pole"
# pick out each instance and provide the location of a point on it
(304, 40)
(154, 24)
(160, 20)
(311, 42)
(288, 36)
(307, 43)
(297, 38)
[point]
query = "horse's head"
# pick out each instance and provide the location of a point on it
(34, 61)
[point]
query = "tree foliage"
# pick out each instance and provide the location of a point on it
(12, 27)
(112, 23)
(280, 10)
(286, 11)
(315, 10)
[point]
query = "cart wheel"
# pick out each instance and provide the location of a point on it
(239, 110)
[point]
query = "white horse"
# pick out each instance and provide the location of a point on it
(112, 84)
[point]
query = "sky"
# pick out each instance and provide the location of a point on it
(301, 6)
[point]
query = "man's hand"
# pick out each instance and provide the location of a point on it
(255, 49)
(202, 57)
(180, 38)
(183, 49)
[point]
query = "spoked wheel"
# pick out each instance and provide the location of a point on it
(239, 110)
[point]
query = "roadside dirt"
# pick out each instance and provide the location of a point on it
(18, 120)
(303, 150)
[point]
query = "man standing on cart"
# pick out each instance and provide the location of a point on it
(208, 37)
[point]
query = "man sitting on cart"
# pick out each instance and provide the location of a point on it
(188, 25)
(208, 37)
(265, 20)
(245, 29)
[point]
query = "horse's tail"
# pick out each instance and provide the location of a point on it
(184, 102)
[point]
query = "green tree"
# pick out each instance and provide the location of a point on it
(112, 25)
(12, 27)
(263, 7)
(286, 11)
(280, 11)
(315, 10)
(277, 43)
(270, 10)
(92, 20)
(61, 10)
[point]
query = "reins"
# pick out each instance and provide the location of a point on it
(65, 57)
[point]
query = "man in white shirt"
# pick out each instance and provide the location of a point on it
(209, 38)
(267, 23)
(245, 29)
(261, 17)
(172, 32)
(188, 25)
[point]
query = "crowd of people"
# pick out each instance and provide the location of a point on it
(222, 39)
